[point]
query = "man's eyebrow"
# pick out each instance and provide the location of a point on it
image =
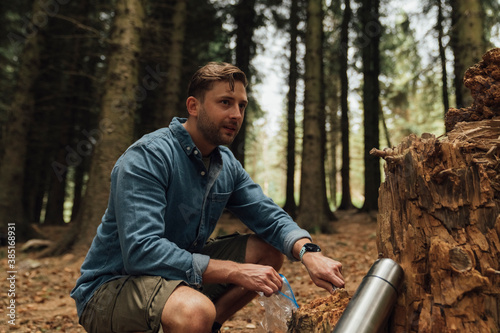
(232, 98)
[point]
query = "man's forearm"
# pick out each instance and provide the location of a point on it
(298, 246)
(220, 271)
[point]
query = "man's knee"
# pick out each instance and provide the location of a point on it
(188, 310)
(260, 252)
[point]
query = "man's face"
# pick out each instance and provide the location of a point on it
(221, 114)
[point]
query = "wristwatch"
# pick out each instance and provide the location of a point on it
(308, 247)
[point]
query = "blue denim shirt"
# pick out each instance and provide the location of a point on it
(163, 206)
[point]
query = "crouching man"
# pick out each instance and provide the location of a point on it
(151, 265)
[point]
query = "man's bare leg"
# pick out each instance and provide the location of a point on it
(257, 252)
(187, 310)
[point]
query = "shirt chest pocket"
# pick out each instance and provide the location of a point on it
(217, 203)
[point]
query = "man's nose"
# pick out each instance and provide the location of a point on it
(236, 112)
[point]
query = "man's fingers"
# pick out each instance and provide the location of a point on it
(267, 280)
(274, 279)
(338, 280)
(328, 286)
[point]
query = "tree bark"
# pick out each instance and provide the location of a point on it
(372, 30)
(290, 205)
(245, 21)
(15, 143)
(439, 218)
(467, 42)
(116, 122)
(35, 183)
(313, 213)
(346, 201)
(174, 65)
(333, 136)
(442, 57)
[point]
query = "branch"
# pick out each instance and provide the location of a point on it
(78, 24)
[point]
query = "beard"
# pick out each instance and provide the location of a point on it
(213, 132)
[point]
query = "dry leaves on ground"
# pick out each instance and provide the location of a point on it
(43, 285)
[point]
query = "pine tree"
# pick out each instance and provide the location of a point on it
(369, 43)
(290, 205)
(19, 116)
(245, 20)
(467, 42)
(116, 120)
(313, 214)
(345, 202)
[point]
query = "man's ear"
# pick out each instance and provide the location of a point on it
(192, 105)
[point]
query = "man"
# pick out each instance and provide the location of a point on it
(150, 266)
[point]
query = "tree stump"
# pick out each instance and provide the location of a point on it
(320, 315)
(439, 216)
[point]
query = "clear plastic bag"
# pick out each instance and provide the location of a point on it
(278, 308)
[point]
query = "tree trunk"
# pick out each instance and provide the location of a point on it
(439, 218)
(15, 141)
(333, 139)
(313, 213)
(290, 205)
(372, 29)
(173, 86)
(442, 56)
(322, 121)
(467, 42)
(35, 183)
(245, 22)
(346, 201)
(384, 126)
(78, 181)
(331, 87)
(116, 124)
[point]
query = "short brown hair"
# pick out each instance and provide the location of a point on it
(205, 77)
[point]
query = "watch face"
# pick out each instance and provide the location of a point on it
(310, 247)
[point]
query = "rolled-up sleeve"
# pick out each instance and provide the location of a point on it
(262, 215)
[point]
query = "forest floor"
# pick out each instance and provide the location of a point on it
(42, 286)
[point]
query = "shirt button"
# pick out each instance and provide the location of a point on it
(188, 148)
(196, 152)
(202, 173)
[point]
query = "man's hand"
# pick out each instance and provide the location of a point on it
(324, 272)
(258, 278)
(249, 276)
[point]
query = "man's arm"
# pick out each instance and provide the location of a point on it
(324, 272)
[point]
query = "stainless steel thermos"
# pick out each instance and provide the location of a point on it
(372, 303)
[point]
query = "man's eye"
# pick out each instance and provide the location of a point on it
(243, 106)
(225, 102)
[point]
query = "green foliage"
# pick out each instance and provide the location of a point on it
(491, 9)
(410, 89)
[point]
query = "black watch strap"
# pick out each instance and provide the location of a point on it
(308, 247)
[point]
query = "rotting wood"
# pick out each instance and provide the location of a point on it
(319, 315)
(439, 216)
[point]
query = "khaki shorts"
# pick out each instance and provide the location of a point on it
(135, 303)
